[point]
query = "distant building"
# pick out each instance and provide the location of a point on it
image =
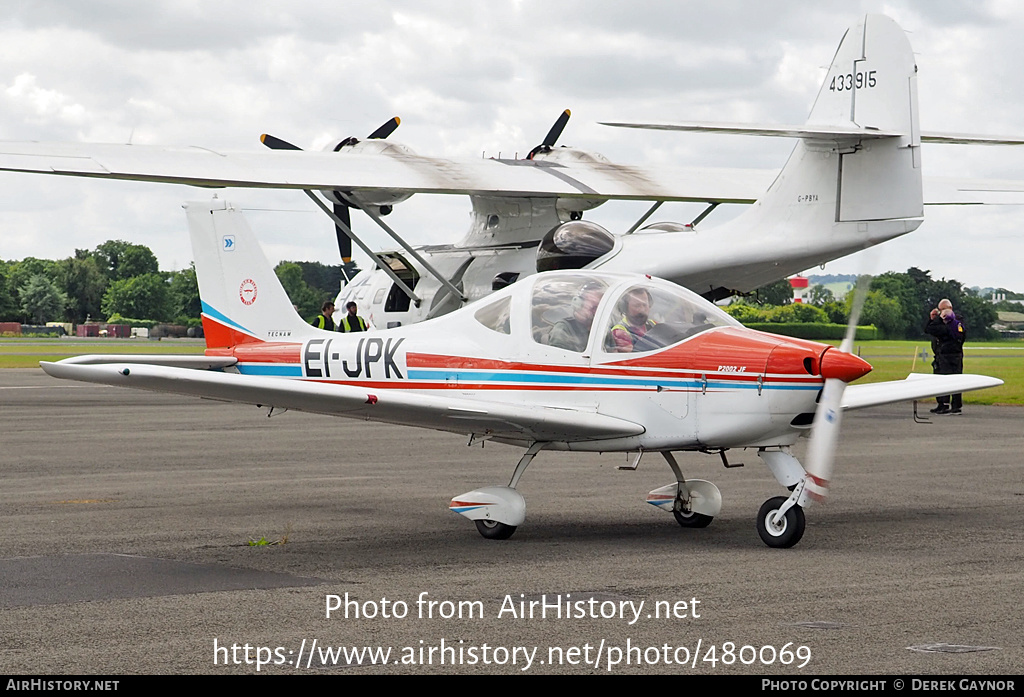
(800, 285)
(1009, 320)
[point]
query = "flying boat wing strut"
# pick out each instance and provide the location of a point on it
(412, 252)
(643, 218)
(362, 245)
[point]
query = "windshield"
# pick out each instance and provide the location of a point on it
(563, 310)
(646, 317)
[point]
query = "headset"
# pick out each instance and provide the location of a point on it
(623, 305)
(580, 299)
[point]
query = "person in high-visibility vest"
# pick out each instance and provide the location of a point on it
(352, 322)
(325, 320)
(635, 307)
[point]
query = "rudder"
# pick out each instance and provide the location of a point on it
(243, 300)
(871, 85)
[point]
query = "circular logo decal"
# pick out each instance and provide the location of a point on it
(247, 291)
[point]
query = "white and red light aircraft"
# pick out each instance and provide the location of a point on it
(575, 360)
(854, 180)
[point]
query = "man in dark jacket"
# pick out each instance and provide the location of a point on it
(352, 322)
(325, 319)
(947, 332)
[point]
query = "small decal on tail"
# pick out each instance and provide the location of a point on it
(247, 291)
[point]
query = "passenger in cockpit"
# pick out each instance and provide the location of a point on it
(573, 332)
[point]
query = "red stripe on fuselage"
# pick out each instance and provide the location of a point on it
(732, 346)
(731, 353)
(724, 354)
(492, 387)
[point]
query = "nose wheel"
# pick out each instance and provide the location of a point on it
(787, 531)
(689, 519)
(493, 530)
(497, 510)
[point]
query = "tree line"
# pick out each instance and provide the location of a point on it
(116, 278)
(896, 303)
(310, 283)
(120, 281)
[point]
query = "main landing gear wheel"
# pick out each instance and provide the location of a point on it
(788, 531)
(493, 530)
(692, 520)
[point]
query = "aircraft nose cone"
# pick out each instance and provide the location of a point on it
(844, 366)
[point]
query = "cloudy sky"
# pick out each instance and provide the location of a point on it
(470, 77)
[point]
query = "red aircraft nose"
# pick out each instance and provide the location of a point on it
(845, 366)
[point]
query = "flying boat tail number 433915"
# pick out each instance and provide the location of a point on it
(851, 81)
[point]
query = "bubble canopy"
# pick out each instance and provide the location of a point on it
(608, 313)
(573, 245)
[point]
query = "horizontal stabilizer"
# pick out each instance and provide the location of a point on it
(807, 132)
(969, 139)
(915, 386)
(193, 362)
(829, 133)
(464, 416)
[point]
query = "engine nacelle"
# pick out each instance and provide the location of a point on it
(375, 198)
(568, 206)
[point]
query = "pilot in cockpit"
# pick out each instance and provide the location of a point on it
(634, 321)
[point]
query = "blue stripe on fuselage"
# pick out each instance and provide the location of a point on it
(513, 378)
(283, 370)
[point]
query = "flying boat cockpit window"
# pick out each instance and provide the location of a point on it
(563, 310)
(650, 317)
(495, 316)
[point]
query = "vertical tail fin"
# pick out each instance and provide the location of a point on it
(871, 85)
(858, 159)
(854, 177)
(852, 181)
(243, 300)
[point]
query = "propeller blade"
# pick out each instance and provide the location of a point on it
(556, 130)
(344, 242)
(860, 294)
(385, 130)
(276, 143)
(839, 367)
(552, 136)
(821, 449)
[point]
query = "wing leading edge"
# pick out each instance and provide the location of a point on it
(415, 174)
(390, 406)
(915, 386)
(398, 172)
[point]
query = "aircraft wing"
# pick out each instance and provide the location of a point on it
(388, 405)
(401, 172)
(394, 170)
(915, 386)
